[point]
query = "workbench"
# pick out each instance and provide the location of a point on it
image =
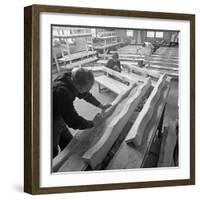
(106, 146)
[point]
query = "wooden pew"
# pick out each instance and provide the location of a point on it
(135, 135)
(95, 155)
(81, 137)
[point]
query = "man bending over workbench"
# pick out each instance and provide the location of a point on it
(66, 88)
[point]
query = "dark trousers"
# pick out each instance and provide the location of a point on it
(61, 135)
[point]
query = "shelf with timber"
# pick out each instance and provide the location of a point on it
(105, 42)
(64, 59)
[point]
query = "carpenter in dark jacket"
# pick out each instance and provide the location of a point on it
(114, 63)
(66, 88)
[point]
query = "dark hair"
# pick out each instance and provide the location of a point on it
(144, 44)
(115, 55)
(83, 77)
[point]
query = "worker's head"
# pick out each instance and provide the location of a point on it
(83, 79)
(115, 56)
(144, 44)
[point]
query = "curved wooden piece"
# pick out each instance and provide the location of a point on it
(97, 153)
(142, 71)
(135, 135)
(129, 156)
(80, 135)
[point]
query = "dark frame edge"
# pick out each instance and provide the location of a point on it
(111, 12)
(117, 186)
(31, 100)
(192, 98)
(28, 157)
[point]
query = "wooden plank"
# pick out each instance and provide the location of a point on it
(107, 37)
(164, 62)
(167, 63)
(155, 71)
(122, 76)
(141, 71)
(113, 85)
(138, 56)
(73, 163)
(81, 136)
(171, 74)
(97, 153)
(95, 68)
(131, 156)
(159, 67)
(85, 139)
(167, 146)
(78, 63)
(135, 135)
(134, 54)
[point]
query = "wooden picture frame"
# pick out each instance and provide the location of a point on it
(32, 98)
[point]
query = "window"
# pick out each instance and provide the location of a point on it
(129, 33)
(150, 34)
(159, 34)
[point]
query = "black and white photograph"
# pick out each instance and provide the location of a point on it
(114, 98)
(109, 99)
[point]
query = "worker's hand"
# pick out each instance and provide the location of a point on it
(115, 67)
(98, 118)
(90, 124)
(104, 107)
